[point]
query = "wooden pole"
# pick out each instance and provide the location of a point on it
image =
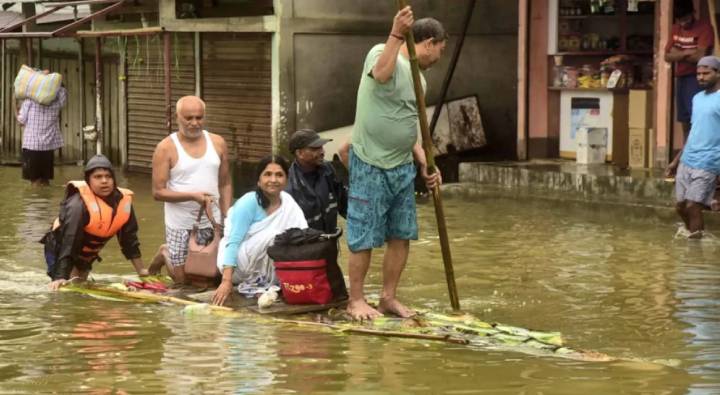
(83, 100)
(428, 148)
(122, 101)
(98, 96)
(167, 53)
(197, 52)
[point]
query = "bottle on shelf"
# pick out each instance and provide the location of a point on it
(594, 7)
(558, 71)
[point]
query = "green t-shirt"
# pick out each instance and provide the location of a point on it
(386, 115)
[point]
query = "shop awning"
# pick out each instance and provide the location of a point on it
(66, 30)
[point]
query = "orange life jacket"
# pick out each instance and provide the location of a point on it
(102, 225)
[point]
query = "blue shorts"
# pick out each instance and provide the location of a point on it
(381, 205)
(686, 87)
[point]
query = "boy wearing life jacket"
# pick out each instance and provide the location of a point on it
(92, 212)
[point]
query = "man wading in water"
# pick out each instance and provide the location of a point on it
(700, 161)
(93, 212)
(381, 204)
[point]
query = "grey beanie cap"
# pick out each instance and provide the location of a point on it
(98, 162)
(709, 61)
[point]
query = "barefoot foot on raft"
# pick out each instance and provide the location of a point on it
(361, 311)
(393, 306)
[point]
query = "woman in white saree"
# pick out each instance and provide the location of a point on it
(250, 228)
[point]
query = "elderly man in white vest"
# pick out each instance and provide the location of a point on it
(190, 169)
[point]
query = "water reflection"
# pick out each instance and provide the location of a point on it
(612, 279)
(700, 310)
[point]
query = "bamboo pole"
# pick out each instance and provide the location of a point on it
(428, 148)
(153, 297)
(378, 332)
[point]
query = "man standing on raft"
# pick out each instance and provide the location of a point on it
(381, 204)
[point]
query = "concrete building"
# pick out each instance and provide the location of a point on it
(265, 68)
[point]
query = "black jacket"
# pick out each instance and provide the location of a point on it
(70, 236)
(319, 194)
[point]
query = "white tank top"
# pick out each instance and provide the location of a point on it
(192, 175)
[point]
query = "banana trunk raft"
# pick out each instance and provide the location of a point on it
(463, 329)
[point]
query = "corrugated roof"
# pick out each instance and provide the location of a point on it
(8, 18)
(61, 15)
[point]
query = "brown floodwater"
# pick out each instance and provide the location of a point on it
(612, 279)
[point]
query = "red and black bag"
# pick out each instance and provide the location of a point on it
(306, 266)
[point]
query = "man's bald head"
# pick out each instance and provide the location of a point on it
(190, 112)
(189, 101)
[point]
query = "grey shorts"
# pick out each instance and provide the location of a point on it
(695, 185)
(177, 242)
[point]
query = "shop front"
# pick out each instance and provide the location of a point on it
(599, 90)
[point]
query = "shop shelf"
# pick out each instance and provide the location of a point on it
(603, 53)
(593, 16)
(619, 90)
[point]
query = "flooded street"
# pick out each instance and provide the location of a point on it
(610, 278)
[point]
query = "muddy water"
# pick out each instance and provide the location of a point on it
(611, 279)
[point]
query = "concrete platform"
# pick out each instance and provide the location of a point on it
(567, 180)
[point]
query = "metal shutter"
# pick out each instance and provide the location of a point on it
(236, 86)
(146, 94)
(11, 139)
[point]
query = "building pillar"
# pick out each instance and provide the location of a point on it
(543, 105)
(659, 155)
(522, 84)
(283, 77)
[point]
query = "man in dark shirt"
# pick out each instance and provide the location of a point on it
(92, 212)
(313, 184)
(690, 40)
